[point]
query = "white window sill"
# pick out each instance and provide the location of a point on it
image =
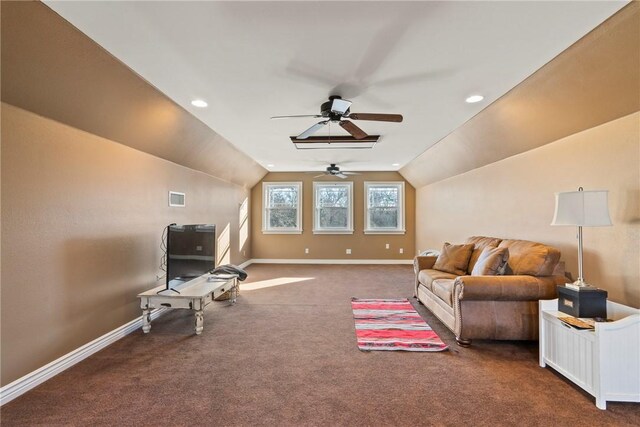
(281, 231)
(384, 231)
(332, 231)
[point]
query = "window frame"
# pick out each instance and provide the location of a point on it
(400, 229)
(317, 229)
(265, 216)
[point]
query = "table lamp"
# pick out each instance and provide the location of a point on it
(582, 209)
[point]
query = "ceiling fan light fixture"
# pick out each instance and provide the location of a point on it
(474, 98)
(332, 146)
(340, 106)
(334, 143)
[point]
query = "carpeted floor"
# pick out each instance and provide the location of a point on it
(286, 354)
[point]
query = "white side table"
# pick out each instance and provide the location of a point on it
(605, 362)
(194, 295)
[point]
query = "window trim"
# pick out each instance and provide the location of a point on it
(265, 222)
(400, 229)
(316, 226)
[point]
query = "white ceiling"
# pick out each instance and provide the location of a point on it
(253, 60)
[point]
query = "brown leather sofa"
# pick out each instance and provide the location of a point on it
(503, 307)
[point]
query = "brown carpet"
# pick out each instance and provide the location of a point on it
(287, 355)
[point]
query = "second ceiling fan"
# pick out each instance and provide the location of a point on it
(338, 110)
(333, 170)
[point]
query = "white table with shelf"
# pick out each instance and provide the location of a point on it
(605, 361)
(195, 295)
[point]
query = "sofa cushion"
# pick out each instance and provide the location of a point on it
(454, 258)
(479, 243)
(491, 261)
(426, 277)
(531, 258)
(443, 289)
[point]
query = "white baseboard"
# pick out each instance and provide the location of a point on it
(330, 261)
(246, 264)
(37, 377)
(323, 261)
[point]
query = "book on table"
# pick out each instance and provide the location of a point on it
(578, 323)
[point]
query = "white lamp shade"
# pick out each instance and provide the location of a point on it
(582, 208)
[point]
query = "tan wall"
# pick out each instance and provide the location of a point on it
(291, 246)
(514, 198)
(82, 219)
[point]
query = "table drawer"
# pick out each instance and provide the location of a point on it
(169, 302)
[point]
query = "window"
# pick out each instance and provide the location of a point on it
(282, 210)
(384, 207)
(333, 208)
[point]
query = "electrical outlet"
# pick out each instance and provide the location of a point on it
(386, 246)
(348, 251)
(306, 250)
(401, 250)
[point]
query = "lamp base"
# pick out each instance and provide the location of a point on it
(579, 285)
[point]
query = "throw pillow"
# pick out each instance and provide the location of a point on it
(454, 259)
(480, 243)
(491, 262)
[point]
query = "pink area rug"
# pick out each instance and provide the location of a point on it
(392, 324)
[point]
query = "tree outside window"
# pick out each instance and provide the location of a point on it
(333, 204)
(384, 207)
(281, 206)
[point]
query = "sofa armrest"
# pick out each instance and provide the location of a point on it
(505, 288)
(423, 263)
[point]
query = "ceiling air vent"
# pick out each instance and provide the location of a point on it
(176, 199)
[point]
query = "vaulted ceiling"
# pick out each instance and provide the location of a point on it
(52, 69)
(253, 60)
(595, 81)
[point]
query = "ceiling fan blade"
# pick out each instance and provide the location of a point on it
(397, 118)
(313, 129)
(354, 130)
(295, 117)
(340, 175)
(318, 176)
(350, 173)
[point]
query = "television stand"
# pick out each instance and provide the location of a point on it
(194, 295)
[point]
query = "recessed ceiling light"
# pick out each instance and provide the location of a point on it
(199, 103)
(474, 98)
(270, 165)
(395, 164)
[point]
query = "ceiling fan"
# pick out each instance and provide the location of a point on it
(333, 170)
(337, 110)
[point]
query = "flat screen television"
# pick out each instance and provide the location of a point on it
(191, 252)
